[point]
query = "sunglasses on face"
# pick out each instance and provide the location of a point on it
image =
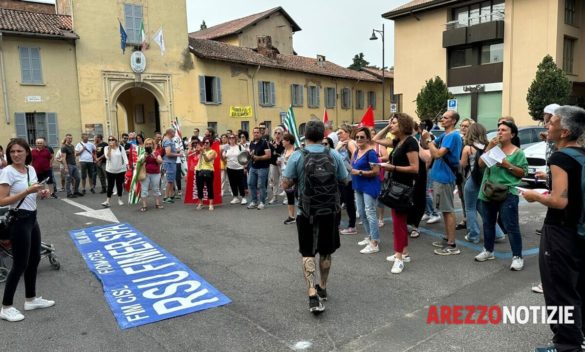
(111, 140)
(360, 137)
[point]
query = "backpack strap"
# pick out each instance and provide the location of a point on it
(575, 154)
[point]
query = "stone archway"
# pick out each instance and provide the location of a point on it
(137, 102)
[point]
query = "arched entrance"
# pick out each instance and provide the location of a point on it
(137, 110)
(141, 103)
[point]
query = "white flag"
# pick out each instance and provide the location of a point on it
(159, 39)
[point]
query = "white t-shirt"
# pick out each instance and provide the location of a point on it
(117, 161)
(231, 156)
(18, 183)
(86, 156)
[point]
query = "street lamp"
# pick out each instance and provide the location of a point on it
(374, 37)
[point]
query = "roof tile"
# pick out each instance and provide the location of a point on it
(213, 50)
(36, 23)
(235, 26)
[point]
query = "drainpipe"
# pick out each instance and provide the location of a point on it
(254, 96)
(4, 88)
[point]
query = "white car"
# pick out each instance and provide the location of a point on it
(536, 157)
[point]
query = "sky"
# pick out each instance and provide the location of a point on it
(337, 29)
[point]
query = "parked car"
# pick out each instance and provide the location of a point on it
(536, 157)
(529, 135)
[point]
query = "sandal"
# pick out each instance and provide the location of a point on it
(159, 206)
(414, 233)
(462, 225)
(143, 209)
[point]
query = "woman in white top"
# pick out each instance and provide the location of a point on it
(116, 165)
(288, 141)
(19, 188)
(2, 158)
(235, 171)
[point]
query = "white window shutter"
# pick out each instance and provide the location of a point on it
(52, 130)
(20, 125)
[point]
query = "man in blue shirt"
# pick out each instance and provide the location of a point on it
(446, 151)
(317, 234)
(170, 164)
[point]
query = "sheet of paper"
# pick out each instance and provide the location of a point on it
(489, 162)
(497, 154)
(538, 190)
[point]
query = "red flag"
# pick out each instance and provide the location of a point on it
(368, 118)
(325, 117)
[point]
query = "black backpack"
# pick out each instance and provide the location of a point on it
(477, 172)
(321, 193)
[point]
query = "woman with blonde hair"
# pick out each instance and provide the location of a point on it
(275, 171)
(116, 166)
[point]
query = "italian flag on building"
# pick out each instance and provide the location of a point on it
(143, 43)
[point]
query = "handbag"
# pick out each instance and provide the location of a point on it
(494, 191)
(396, 195)
(9, 216)
(205, 173)
(142, 172)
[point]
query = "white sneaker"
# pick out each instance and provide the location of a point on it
(120, 203)
(282, 194)
(244, 201)
(484, 255)
(199, 206)
(369, 249)
(11, 314)
(285, 201)
(405, 258)
(106, 204)
(261, 206)
(252, 205)
(38, 303)
(537, 288)
(434, 219)
(364, 242)
(425, 217)
(397, 267)
(517, 264)
(272, 200)
(235, 200)
(380, 223)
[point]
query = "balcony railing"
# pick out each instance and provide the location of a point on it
(470, 21)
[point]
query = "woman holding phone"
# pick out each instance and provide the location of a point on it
(19, 189)
(116, 165)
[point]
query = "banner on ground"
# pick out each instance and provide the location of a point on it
(142, 282)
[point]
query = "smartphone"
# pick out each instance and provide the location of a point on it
(44, 182)
(376, 164)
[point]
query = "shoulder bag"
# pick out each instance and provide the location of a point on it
(396, 195)
(9, 216)
(495, 192)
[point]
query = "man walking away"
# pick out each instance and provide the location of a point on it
(316, 170)
(70, 168)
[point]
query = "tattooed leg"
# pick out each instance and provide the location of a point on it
(309, 272)
(324, 266)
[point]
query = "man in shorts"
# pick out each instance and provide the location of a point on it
(320, 235)
(446, 151)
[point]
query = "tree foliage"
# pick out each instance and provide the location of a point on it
(549, 86)
(358, 62)
(431, 101)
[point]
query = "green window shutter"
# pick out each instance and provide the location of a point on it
(202, 89)
(217, 82)
(272, 94)
(261, 92)
(20, 125)
(35, 60)
(25, 67)
(52, 130)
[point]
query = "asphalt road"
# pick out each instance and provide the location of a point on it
(250, 256)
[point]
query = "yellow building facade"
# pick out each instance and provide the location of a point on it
(74, 76)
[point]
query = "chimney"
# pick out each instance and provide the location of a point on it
(203, 26)
(264, 46)
(320, 60)
(63, 7)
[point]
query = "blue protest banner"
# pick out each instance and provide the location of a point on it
(142, 282)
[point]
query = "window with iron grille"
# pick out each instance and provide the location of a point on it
(33, 125)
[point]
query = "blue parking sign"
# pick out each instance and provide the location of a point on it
(452, 104)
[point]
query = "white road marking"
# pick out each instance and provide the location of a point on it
(302, 345)
(101, 214)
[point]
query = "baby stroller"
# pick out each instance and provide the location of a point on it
(47, 251)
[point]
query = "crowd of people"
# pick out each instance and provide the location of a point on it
(403, 160)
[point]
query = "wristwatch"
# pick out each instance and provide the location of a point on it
(361, 173)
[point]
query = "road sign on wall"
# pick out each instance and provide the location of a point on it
(452, 104)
